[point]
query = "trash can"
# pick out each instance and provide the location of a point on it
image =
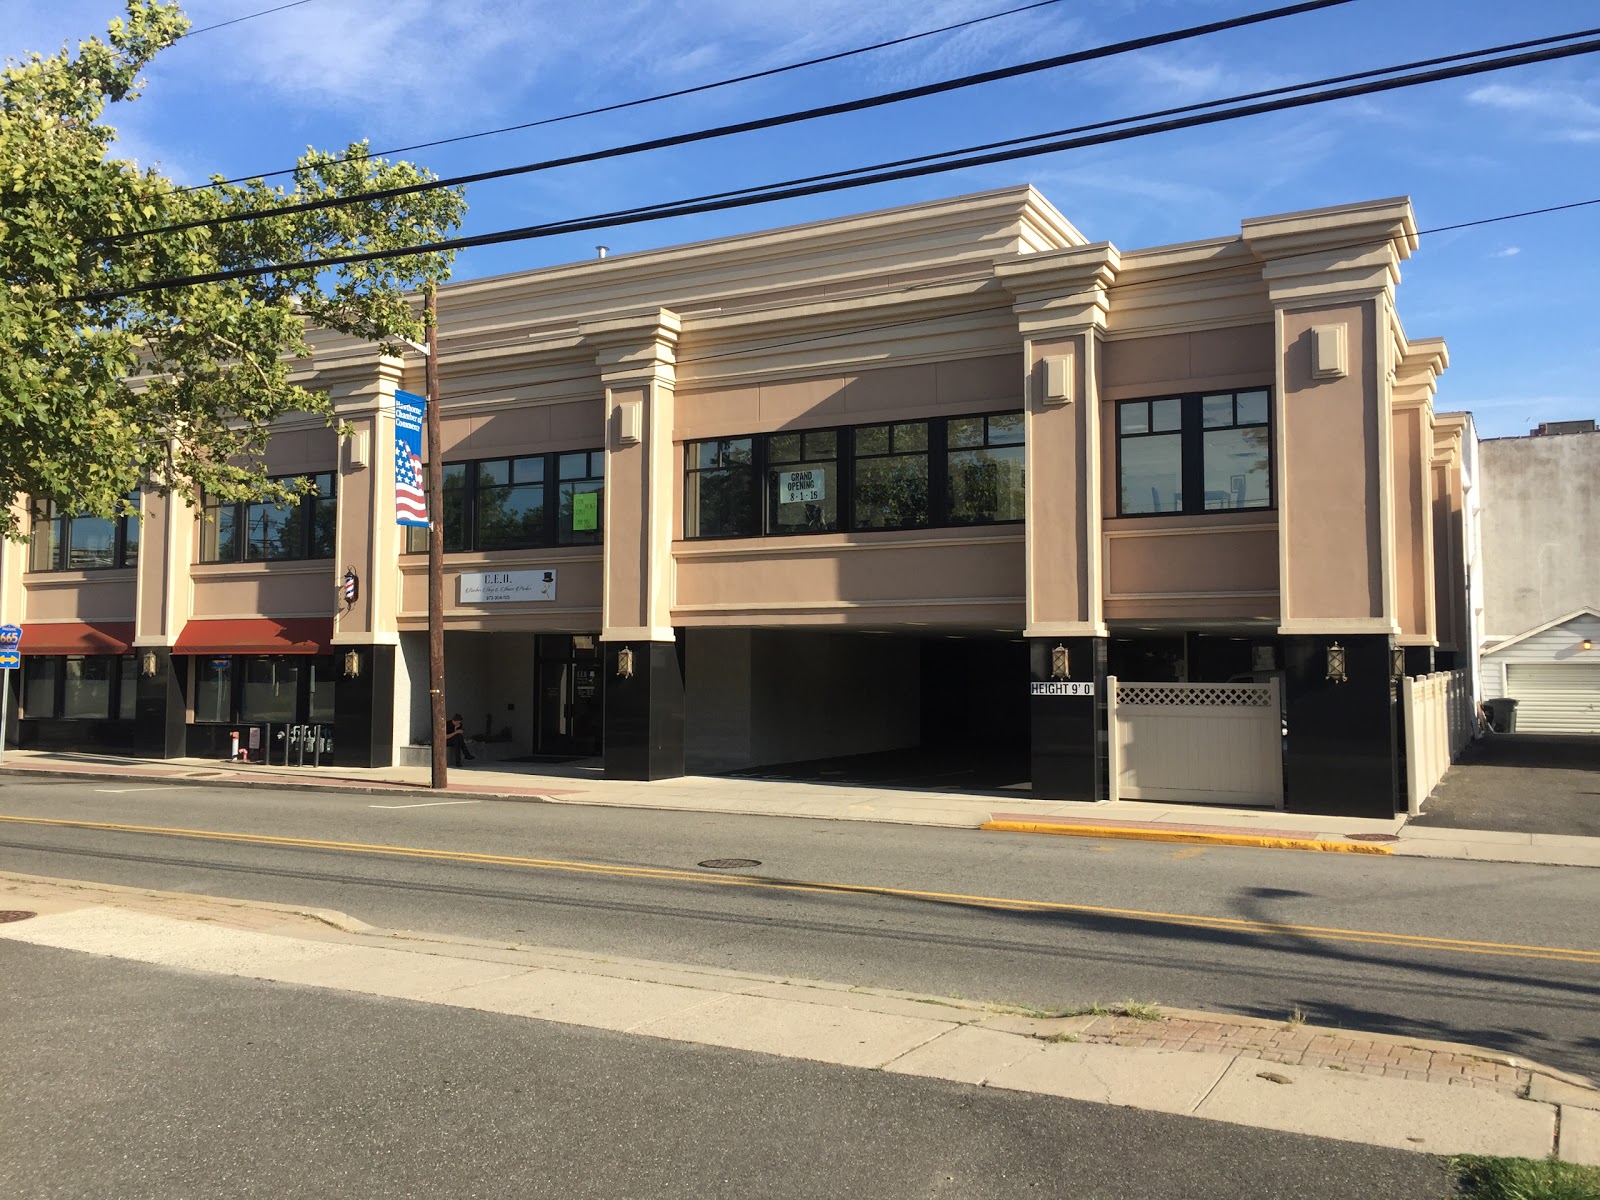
(1502, 714)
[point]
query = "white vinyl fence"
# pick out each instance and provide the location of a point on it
(1211, 743)
(1439, 723)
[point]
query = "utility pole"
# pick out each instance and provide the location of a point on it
(435, 487)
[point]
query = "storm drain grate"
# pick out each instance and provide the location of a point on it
(1372, 837)
(15, 914)
(724, 864)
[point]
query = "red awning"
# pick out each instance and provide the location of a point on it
(76, 637)
(255, 635)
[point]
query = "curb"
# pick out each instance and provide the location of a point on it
(349, 789)
(330, 917)
(1177, 835)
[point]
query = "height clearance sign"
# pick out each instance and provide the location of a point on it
(410, 501)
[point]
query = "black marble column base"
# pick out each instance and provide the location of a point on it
(1342, 754)
(644, 711)
(1067, 733)
(160, 705)
(363, 709)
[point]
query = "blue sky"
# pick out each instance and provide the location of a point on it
(1515, 301)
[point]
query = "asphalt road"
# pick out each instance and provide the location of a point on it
(138, 1082)
(1356, 941)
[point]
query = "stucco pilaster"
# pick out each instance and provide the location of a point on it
(636, 360)
(1061, 305)
(367, 541)
(1330, 278)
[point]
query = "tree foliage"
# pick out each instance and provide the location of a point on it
(175, 388)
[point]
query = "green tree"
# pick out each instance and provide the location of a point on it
(174, 387)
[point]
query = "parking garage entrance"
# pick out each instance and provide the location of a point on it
(945, 712)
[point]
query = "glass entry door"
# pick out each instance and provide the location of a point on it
(570, 694)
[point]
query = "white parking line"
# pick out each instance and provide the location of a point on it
(119, 791)
(429, 804)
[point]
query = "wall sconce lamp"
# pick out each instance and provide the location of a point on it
(1397, 663)
(1336, 672)
(149, 664)
(625, 662)
(1587, 644)
(1059, 668)
(352, 663)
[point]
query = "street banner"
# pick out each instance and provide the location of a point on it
(410, 500)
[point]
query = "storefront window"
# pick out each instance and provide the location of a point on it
(986, 471)
(39, 677)
(128, 690)
(324, 677)
(891, 469)
(721, 499)
(213, 689)
(582, 482)
(803, 482)
(271, 689)
(87, 689)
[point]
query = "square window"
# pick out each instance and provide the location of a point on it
(1166, 415)
(1217, 410)
(1252, 408)
(1006, 430)
(872, 439)
(1133, 416)
(964, 431)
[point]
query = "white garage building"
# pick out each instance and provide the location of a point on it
(1553, 672)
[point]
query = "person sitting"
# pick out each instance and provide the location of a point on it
(455, 740)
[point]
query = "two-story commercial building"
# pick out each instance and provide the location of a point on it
(931, 476)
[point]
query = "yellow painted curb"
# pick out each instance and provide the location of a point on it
(1175, 835)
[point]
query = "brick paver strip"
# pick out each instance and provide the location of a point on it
(1296, 1047)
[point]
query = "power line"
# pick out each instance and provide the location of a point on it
(720, 131)
(624, 104)
(247, 17)
(871, 175)
(1200, 106)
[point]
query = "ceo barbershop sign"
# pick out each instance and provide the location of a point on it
(502, 587)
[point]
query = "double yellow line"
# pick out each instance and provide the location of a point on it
(1007, 904)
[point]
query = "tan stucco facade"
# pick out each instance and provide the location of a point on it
(983, 304)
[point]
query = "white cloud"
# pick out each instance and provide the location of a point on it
(1508, 252)
(1564, 113)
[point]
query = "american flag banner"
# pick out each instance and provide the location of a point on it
(410, 501)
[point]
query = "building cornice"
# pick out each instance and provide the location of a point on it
(1350, 252)
(1062, 289)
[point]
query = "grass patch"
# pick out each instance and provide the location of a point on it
(1296, 1018)
(1483, 1177)
(1139, 1010)
(1059, 1037)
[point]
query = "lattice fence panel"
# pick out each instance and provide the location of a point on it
(1196, 695)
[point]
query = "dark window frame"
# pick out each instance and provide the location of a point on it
(304, 513)
(1191, 432)
(550, 532)
(124, 550)
(938, 453)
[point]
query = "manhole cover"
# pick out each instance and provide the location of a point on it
(15, 914)
(723, 864)
(1372, 837)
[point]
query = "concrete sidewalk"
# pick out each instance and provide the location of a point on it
(1433, 1097)
(582, 782)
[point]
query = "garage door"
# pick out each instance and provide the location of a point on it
(1555, 698)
